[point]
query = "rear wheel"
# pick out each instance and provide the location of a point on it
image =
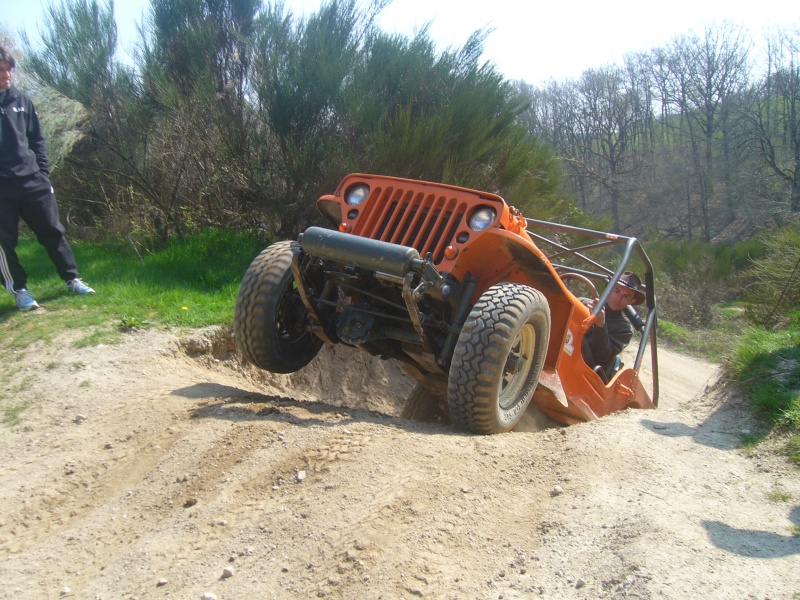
(270, 319)
(498, 359)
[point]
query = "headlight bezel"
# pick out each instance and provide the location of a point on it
(356, 194)
(482, 218)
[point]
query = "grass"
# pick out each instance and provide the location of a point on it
(12, 408)
(714, 344)
(779, 496)
(767, 365)
(792, 449)
(191, 282)
(12, 414)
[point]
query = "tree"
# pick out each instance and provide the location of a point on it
(240, 115)
(299, 79)
(611, 118)
(775, 113)
(711, 71)
(80, 39)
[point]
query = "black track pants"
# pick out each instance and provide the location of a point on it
(32, 200)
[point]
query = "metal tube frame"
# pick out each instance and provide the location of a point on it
(631, 245)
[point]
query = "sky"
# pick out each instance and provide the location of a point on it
(530, 40)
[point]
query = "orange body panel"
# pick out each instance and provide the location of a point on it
(433, 218)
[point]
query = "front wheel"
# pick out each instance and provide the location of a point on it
(270, 319)
(498, 359)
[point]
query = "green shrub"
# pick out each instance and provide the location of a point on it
(773, 281)
(692, 277)
(767, 365)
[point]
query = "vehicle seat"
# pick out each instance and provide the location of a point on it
(604, 375)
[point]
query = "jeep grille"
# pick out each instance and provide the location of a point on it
(413, 218)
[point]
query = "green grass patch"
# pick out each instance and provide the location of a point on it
(750, 441)
(792, 449)
(767, 365)
(779, 496)
(189, 282)
(712, 344)
(12, 414)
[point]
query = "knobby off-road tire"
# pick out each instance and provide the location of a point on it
(270, 319)
(425, 406)
(498, 359)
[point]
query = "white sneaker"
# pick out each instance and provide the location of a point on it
(76, 286)
(24, 300)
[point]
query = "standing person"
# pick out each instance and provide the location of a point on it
(612, 330)
(26, 193)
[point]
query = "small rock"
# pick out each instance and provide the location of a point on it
(109, 446)
(580, 583)
(557, 491)
(227, 572)
(162, 582)
(79, 419)
(301, 475)
(659, 426)
(208, 596)
(190, 502)
(65, 592)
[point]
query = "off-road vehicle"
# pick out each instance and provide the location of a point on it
(456, 285)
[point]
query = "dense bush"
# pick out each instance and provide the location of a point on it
(692, 277)
(238, 115)
(773, 281)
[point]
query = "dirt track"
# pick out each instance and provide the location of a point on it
(141, 471)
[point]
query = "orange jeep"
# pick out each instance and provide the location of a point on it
(455, 285)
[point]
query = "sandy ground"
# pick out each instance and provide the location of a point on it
(163, 468)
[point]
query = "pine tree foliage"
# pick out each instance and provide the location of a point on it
(240, 114)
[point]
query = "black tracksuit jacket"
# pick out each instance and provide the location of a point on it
(22, 146)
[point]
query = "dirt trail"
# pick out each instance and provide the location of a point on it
(162, 468)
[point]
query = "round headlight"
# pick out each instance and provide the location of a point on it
(357, 194)
(482, 218)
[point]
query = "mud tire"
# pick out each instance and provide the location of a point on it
(498, 359)
(270, 319)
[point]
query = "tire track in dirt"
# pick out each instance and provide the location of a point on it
(650, 503)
